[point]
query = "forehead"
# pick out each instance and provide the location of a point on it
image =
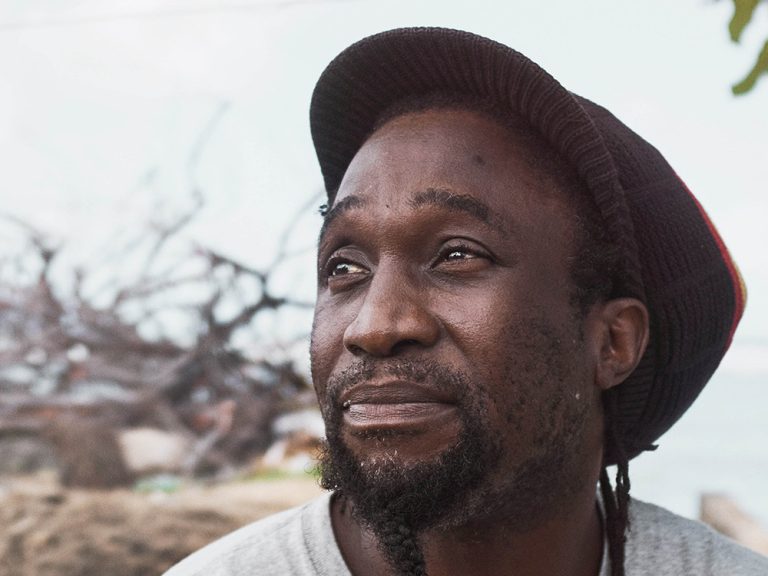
(460, 160)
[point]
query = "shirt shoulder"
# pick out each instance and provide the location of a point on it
(298, 541)
(660, 543)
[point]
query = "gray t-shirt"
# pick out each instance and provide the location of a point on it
(300, 542)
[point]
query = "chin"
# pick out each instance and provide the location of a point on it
(382, 448)
(388, 479)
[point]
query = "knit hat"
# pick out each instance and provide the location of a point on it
(672, 258)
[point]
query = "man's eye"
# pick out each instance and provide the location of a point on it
(344, 268)
(462, 258)
(459, 254)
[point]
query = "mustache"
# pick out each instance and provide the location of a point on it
(429, 373)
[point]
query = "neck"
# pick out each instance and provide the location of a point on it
(568, 545)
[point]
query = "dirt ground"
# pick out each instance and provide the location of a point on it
(48, 531)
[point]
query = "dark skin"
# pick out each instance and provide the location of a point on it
(445, 245)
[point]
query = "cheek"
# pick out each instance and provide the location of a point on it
(539, 385)
(508, 329)
(474, 318)
(326, 344)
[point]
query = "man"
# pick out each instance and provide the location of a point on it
(514, 291)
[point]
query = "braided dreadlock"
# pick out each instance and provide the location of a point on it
(401, 546)
(398, 541)
(616, 502)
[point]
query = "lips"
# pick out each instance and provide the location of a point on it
(396, 406)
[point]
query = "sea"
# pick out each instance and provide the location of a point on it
(720, 445)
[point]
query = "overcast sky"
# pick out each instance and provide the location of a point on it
(102, 103)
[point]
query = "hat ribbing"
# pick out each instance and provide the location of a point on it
(671, 255)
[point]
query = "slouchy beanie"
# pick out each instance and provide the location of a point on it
(672, 258)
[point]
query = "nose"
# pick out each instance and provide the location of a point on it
(394, 316)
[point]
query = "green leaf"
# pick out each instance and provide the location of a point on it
(760, 67)
(742, 14)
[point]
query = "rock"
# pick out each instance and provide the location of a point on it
(87, 452)
(25, 453)
(726, 517)
(151, 450)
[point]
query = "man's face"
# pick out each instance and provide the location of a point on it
(447, 358)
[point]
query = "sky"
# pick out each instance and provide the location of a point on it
(102, 103)
(112, 111)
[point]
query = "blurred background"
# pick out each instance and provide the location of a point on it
(158, 211)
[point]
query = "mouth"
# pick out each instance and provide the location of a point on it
(396, 407)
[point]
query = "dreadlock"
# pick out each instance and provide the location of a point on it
(400, 544)
(398, 541)
(616, 502)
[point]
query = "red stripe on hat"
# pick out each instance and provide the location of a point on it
(739, 288)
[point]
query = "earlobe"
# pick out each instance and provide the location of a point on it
(622, 339)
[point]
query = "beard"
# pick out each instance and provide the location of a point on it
(421, 494)
(396, 501)
(464, 485)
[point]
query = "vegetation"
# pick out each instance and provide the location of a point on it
(743, 15)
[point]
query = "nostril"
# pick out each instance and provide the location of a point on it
(355, 349)
(403, 344)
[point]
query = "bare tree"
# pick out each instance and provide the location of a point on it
(105, 350)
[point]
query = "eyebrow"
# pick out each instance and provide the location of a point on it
(342, 206)
(440, 197)
(446, 198)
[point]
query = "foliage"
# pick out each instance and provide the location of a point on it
(744, 11)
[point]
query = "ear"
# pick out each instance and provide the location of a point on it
(622, 336)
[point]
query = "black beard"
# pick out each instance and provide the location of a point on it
(399, 502)
(464, 486)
